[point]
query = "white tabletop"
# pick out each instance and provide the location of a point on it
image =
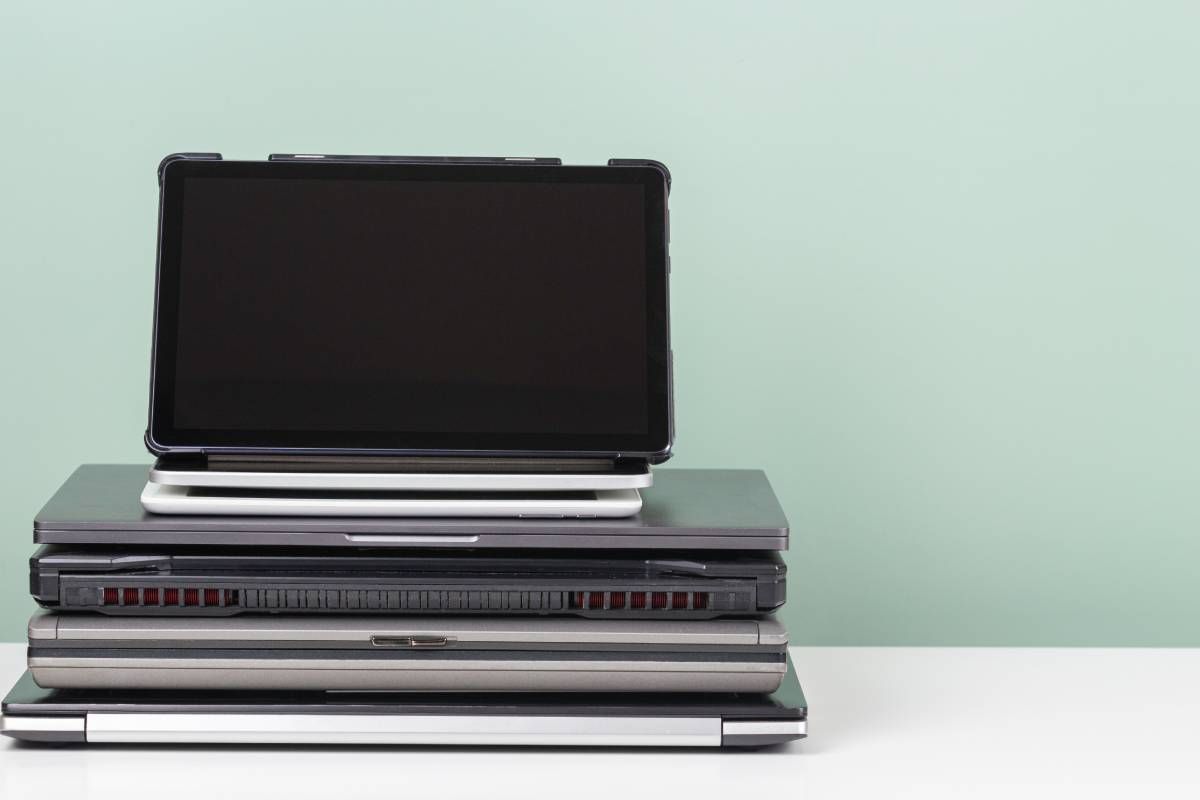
(885, 722)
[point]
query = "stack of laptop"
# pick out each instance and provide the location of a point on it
(405, 414)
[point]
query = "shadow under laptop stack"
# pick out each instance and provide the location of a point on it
(172, 628)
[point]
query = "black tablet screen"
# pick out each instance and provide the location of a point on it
(411, 312)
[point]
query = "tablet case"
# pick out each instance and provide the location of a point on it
(513, 161)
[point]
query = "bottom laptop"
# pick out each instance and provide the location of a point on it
(432, 654)
(625, 720)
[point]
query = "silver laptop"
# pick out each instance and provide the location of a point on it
(62, 716)
(440, 654)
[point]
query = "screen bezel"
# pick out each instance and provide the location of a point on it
(164, 438)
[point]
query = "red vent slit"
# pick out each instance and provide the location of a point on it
(679, 599)
(150, 597)
(616, 599)
(637, 600)
(700, 600)
(111, 598)
(212, 597)
(658, 600)
(171, 597)
(191, 597)
(130, 597)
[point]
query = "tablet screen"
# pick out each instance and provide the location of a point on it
(411, 307)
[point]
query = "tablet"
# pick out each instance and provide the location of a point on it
(343, 305)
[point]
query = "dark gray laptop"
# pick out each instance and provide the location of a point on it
(685, 509)
(124, 580)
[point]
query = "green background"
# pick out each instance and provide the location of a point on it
(936, 263)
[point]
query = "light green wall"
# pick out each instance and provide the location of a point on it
(937, 264)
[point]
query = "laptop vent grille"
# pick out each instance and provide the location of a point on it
(640, 601)
(150, 596)
(398, 600)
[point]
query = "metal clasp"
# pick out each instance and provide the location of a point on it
(410, 641)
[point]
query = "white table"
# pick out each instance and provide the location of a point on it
(885, 722)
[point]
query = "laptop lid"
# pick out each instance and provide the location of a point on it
(686, 509)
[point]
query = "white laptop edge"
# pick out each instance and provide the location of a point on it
(404, 481)
(158, 498)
